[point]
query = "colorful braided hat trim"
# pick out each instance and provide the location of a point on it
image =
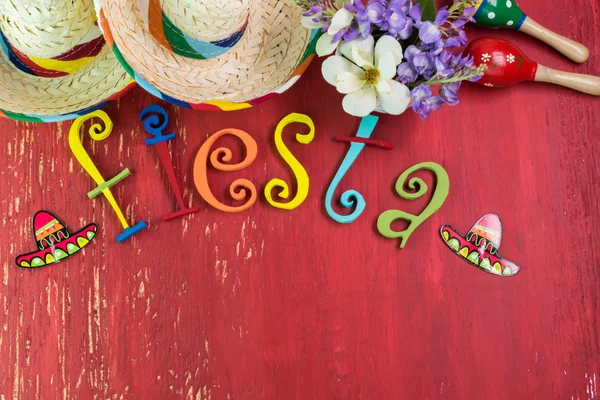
(67, 63)
(54, 62)
(268, 58)
(170, 36)
(68, 116)
(214, 105)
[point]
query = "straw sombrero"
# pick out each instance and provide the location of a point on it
(55, 241)
(54, 62)
(480, 246)
(209, 54)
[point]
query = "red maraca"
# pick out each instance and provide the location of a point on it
(507, 65)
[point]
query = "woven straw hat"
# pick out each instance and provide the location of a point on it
(209, 54)
(54, 62)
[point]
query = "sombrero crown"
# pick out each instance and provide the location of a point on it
(488, 228)
(54, 64)
(215, 52)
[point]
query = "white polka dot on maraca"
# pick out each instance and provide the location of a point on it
(510, 23)
(491, 15)
(509, 4)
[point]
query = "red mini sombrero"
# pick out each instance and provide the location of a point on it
(480, 246)
(55, 241)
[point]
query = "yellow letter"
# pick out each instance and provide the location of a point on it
(297, 168)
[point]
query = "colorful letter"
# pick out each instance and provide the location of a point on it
(98, 133)
(350, 198)
(238, 187)
(297, 168)
(442, 187)
(151, 116)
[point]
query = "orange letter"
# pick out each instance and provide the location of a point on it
(238, 187)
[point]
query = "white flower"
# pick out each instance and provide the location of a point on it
(366, 76)
(340, 21)
(510, 58)
(485, 57)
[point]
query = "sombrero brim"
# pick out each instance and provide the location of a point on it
(469, 252)
(264, 63)
(38, 99)
(60, 251)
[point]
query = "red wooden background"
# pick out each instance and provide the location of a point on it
(269, 304)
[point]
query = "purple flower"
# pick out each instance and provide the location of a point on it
(434, 48)
(418, 63)
(424, 101)
(315, 13)
(356, 7)
(468, 14)
(416, 14)
(401, 6)
(441, 17)
(375, 12)
(460, 62)
(411, 52)
(397, 21)
(442, 70)
(366, 16)
(421, 92)
(429, 32)
(430, 63)
(446, 64)
(313, 10)
(424, 63)
(348, 34)
(449, 93)
(407, 73)
(454, 31)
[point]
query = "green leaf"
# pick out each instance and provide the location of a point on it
(428, 9)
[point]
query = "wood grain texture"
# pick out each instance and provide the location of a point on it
(269, 304)
(589, 84)
(568, 47)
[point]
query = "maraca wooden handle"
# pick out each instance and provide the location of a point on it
(584, 83)
(571, 49)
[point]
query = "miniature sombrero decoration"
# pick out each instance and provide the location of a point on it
(480, 246)
(54, 240)
(54, 63)
(209, 54)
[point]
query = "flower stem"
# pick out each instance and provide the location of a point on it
(475, 72)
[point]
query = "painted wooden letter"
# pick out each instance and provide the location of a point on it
(239, 187)
(155, 122)
(98, 133)
(440, 194)
(297, 168)
(350, 198)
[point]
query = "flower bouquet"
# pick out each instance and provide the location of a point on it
(390, 54)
